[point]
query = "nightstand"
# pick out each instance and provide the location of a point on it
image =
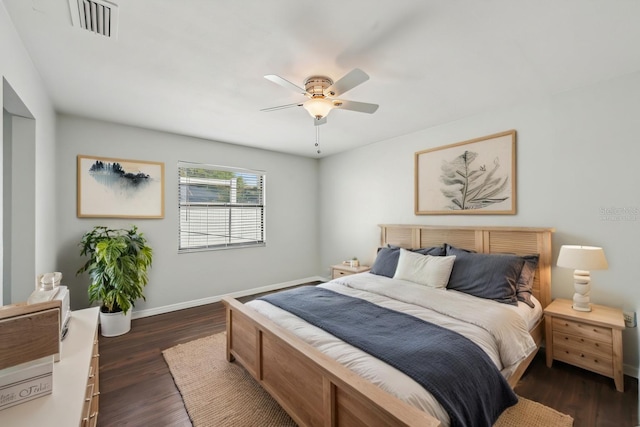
(590, 340)
(340, 270)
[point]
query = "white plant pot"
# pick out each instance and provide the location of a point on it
(114, 324)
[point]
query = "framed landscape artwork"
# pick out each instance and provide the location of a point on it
(468, 178)
(118, 188)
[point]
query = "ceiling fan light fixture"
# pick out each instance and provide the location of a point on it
(321, 90)
(318, 107)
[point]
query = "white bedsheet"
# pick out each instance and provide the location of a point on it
(499, 329)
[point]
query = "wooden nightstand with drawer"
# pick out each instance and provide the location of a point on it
(340, 270)
(590, 340)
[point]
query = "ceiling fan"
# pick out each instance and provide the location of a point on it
(323, 92)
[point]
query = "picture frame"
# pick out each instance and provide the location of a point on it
(474, 177)
(119, 188)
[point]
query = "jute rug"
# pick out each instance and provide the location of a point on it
(218, 393)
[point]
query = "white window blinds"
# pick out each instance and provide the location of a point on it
(220, 207)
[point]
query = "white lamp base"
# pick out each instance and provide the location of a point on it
(582, 286)
(578, 307)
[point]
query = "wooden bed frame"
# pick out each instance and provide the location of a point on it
(314, 389)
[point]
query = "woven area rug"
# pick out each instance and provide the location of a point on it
(219, 393)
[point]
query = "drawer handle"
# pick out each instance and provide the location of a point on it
(566, 324)
(566, 351)
(566, 338)
(96, 394)
(595, 360)
(595, 330)
(581, 339)
(96, 355)
(88, 399)
(581, 355)
(93, 415)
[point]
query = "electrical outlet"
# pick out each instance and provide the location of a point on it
(630, 319)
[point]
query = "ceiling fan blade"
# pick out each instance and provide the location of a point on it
(285, 83)
(281, 107)
(318, 122)
(352, 79)
(362, 107)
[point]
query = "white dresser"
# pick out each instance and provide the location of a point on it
(74, 398)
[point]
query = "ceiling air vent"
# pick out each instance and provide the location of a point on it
(97, 16)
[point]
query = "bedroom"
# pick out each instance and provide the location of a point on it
(577, 145)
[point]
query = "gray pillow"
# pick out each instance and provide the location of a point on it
(434, 251)
(490, 276)
(386, 262)
(525, 281)
(387, 259)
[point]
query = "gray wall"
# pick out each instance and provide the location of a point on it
(20, 220)
(577, 153)
(291, 253)
(6, 207)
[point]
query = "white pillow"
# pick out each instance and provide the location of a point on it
(427, 270)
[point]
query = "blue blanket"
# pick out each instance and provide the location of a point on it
(452, 368)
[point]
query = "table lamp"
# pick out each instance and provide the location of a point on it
(582, 259)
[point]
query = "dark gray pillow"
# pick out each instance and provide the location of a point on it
(387, 259)
(490, 276)
(434, 251)
(386, 262)
(525, 281)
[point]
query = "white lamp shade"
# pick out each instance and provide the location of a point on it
(318, 107)
(582, 257)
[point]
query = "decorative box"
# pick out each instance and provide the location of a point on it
(25, 382)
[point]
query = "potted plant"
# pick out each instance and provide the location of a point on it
(117, 265)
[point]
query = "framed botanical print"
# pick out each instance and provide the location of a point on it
(472, 177)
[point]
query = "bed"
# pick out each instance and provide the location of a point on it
(316, 389)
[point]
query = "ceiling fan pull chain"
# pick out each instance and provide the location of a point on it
(317, 139)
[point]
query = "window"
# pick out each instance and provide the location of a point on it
(219, 207)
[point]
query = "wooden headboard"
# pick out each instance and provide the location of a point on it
(512, 240)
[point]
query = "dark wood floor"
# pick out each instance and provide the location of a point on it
(137, 388)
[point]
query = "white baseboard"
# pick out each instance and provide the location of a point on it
(195, 303)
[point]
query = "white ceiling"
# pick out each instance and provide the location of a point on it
(196, 67)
